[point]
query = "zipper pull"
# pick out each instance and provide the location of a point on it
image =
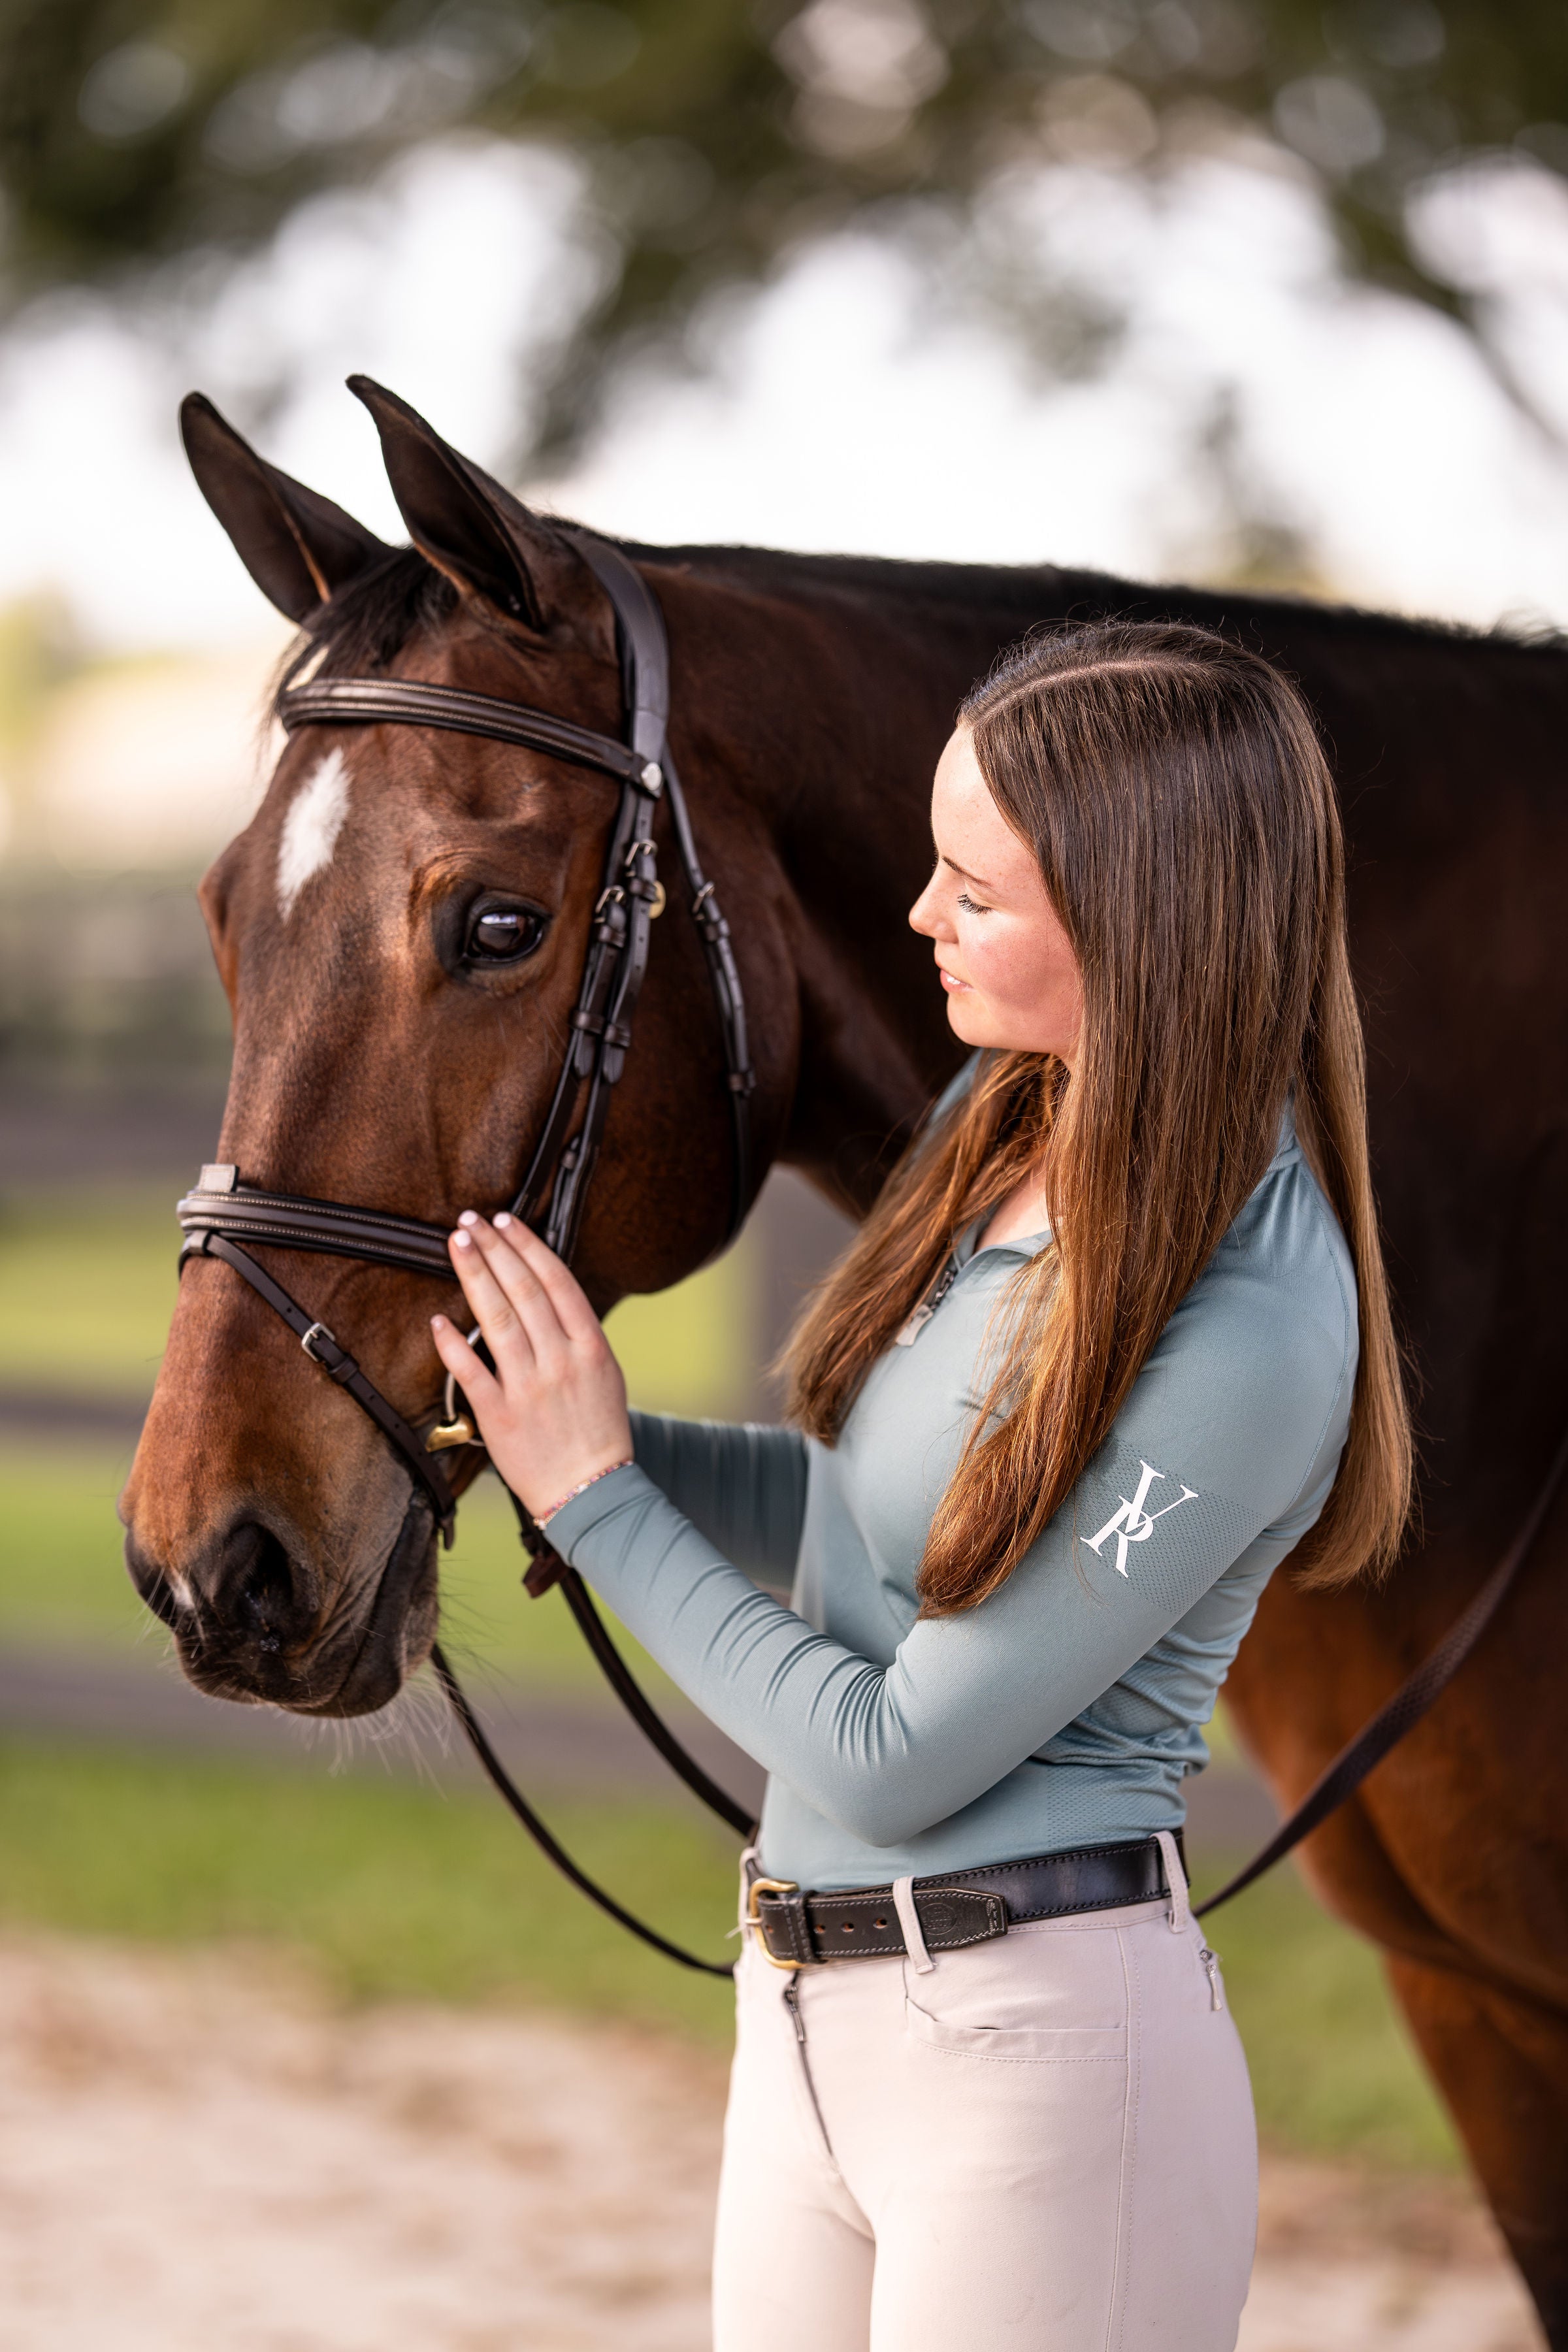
(1211, 1970)
(909, 1330)
(791, 2002)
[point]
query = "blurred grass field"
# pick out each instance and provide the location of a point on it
(391, 1887)
(394, 1889)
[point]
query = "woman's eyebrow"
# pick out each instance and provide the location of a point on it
(962, 871)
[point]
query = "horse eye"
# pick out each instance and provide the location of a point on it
(502, 935)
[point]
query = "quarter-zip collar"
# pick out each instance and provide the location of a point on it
(966, 1248)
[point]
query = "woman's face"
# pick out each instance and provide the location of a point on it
(1009, 972)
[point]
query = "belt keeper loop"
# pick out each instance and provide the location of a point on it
(1175, 1880)
(749, 1869)
(909, 1921)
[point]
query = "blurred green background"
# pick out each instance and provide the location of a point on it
(395, 1885)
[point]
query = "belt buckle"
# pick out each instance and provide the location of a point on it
(753, 1918)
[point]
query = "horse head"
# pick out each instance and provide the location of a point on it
(401, 932)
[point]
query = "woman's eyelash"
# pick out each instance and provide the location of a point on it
(968, 905)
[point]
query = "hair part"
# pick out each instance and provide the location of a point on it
(1172, 788)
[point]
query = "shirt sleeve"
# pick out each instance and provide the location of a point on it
(1233, 1428)
(741, 1486)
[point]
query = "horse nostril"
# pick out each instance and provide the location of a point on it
(259, 1587)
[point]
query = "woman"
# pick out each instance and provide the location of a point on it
(1115, 1341)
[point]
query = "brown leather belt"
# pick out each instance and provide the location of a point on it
(797, 1930)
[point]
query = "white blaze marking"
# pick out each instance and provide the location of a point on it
(312, 827)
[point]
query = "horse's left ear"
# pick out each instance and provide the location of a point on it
(468, 525)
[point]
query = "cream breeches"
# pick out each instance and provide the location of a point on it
(1039, 2144)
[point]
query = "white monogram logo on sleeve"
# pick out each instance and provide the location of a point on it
(1132, 1522)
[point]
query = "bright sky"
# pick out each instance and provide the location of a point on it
(866, 402)
(862, 404)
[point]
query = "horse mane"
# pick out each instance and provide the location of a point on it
(1081, 596)
(366, 624)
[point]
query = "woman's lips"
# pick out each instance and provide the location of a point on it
(948, 979)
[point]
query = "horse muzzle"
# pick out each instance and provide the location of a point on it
(251, 1621)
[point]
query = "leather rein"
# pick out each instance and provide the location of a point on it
(224, 1212)
(226, 1218)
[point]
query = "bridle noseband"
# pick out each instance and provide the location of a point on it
(224, 1212)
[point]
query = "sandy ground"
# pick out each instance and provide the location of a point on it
(202, 2154)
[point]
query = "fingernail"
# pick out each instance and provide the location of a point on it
(468, 1218)
(502, 1220)
(437, 1322)
(462, 1241)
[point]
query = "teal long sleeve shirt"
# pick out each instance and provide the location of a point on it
(1068, 1708)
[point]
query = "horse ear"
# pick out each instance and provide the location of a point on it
(466, 524)
(297, 546)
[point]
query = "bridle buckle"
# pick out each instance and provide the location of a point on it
(307, 1340)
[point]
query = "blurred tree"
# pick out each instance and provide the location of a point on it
(718, 133)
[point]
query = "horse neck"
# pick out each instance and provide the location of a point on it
(810, 701)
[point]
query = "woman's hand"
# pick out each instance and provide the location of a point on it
(554, 1411)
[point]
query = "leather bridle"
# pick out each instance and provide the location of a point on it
(226, 1218)
(224, 1212)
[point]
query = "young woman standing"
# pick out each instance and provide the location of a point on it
(1115, 1341)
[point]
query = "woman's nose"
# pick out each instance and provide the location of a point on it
(926, 916)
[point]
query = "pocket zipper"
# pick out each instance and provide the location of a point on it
(791, 2002)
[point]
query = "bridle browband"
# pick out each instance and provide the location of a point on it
(224, 1214)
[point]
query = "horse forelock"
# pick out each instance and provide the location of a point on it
(372, 617)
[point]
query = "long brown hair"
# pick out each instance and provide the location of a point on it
(1174, 791)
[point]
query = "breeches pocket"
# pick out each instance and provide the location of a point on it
(1032, 1997)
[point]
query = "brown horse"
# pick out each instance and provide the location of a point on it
(384, 1057)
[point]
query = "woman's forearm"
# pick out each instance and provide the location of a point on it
(741, 1485)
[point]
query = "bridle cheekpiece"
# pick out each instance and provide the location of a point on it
(224, 1212)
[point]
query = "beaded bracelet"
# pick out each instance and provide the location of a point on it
(544, 1518)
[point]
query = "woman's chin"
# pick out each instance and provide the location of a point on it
(966, 1019)
(976, 1023)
